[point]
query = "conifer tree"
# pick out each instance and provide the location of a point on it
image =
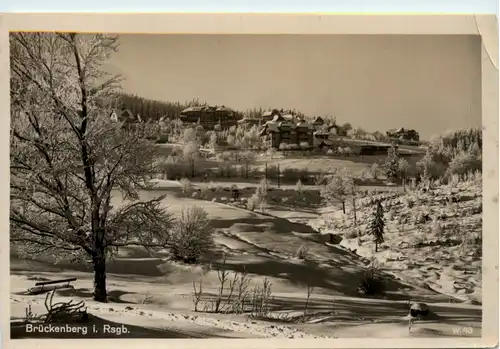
(377, 225)
(391, 164)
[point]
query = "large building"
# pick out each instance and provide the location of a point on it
(403, 133)
(284, 130)
(266, 116)
(284, 127)
(209, 116)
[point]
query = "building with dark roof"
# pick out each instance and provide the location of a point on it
(282, 130)
(318, 122)
(124, 115)
(270, 114)
(209, 116)
(403, 133)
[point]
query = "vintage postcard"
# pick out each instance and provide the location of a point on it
(250, 181)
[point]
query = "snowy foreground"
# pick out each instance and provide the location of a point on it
(352, 318)
(153, 298)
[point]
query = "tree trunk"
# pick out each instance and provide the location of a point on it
(355, 213)
(279, 176)
(192, 169)
(343, 206)
(100, 293)
(376, 246)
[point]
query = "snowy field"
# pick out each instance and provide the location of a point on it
(153, 297)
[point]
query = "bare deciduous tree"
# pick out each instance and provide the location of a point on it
(191, 153)
(304, 146)
(67, 155)
(189, 135)
(403, 167)
(353, 193)
(248, 158)
(231, 140)
(338, 188)
(191, 234)
(213, 141)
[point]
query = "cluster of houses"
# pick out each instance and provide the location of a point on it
(279, 128)
(284, 128)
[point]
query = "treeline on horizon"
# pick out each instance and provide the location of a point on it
(154, 110)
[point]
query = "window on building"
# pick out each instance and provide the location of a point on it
(286, 136)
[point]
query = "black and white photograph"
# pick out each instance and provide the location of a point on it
(245, 186)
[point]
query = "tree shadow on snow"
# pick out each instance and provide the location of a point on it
(264, 223)
(314, 275)
(145, 267)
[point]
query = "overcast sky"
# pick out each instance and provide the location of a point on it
(377, 82)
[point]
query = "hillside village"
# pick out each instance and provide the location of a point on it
(191, 221)
(279, 128)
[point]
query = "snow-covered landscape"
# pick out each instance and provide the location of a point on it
(154, 297)
(139, 218)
